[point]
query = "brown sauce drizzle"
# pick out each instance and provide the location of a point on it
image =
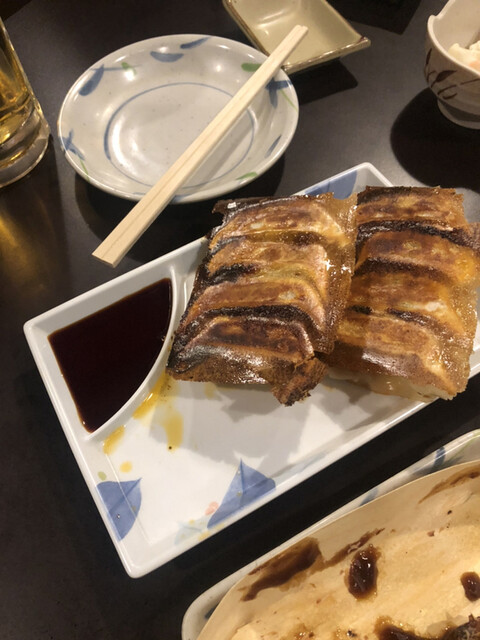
(363, 572)
(453, 481)
(385, 630)
(105, 356)
(284, 566)
(471, 585)
(301, 556)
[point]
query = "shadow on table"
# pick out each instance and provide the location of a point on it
(177, 225)
(327, 79)
(392, 15)
(9, 7)
(434, 150)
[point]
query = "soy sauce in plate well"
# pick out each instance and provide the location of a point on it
(106, 356)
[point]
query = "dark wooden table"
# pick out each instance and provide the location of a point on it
(60, 576)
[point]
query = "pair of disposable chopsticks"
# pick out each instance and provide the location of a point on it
(129, 230)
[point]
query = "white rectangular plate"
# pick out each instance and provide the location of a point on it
(194, 458)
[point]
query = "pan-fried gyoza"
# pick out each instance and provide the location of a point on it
(269, 302)
(267, 298)
(410, 321)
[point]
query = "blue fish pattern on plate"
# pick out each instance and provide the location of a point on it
(123, 501)
(272, 146)
(194, 43)
(166, 57)
(247, 486)
(92, 83)
(273, 87)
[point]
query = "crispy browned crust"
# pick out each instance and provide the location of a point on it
(431, 206)
(410, 321)
(269, 294)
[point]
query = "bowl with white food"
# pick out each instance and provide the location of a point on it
(452, 61)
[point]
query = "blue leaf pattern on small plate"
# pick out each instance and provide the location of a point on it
(247, 485)
(166, 57)
(92, 83)
(273, 87)
(122, 500)
(194, 43)
(69, 146)
(272, 146)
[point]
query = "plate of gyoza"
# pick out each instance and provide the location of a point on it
(299, 330)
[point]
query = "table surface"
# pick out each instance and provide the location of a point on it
(60, 576)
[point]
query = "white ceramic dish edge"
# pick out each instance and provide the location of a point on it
(259, 138)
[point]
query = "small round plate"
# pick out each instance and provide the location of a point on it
(133, 113)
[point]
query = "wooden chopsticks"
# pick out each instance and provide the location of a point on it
(127, 232)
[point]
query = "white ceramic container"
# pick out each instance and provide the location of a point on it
(456, 86)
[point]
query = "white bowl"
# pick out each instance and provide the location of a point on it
(456, 86)
(128, 118)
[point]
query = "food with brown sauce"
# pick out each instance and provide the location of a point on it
(470, 630)
(410, 321)
(267, 298)
(402, 567)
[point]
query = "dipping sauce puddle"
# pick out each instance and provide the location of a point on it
(105, 356)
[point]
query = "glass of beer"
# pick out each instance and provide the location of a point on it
(24, 132)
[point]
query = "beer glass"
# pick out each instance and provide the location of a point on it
(24, 131)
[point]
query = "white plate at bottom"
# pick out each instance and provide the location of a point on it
(176, 466)
(463, 449)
